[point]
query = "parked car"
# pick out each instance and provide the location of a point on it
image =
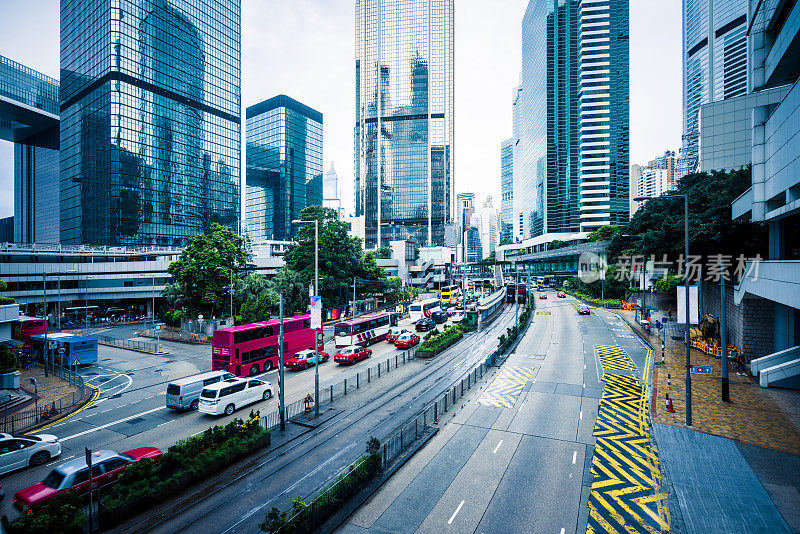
(395, 332)
(185, 393)
(406, 341)
(561, 295)
(583, 309)
(17, 451)
(439, 317)
(352, 354)
(543, 296)
(106, 467)
(425, 324)
(305, 359)
(228, 395)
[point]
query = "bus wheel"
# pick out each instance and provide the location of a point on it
(254, 370)
(268, 366)
(229, 409)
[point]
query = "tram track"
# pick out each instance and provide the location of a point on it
(340, 424)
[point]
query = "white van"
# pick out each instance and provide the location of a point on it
(185, 393)
(228, 395)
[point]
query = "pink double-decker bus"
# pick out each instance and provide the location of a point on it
(250, 349)
(364, 330)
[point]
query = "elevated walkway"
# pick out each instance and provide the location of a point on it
(781, 369)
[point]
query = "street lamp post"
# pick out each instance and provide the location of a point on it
(316, 294)
(688, 314)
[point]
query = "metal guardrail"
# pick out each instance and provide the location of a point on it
(142, 346)
(19, 421)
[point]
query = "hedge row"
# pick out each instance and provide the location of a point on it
(435, 341)
(62, 514)
(505, 340)
(586, 298)
(187, 462)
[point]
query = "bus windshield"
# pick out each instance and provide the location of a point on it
(342, 330)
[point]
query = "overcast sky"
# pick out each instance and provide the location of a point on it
(306, 49)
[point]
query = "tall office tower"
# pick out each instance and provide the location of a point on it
(604, 113)
(485, 220)
(714, 63)
(284, 165)
(29, 119)
(330, 192)
(518, 208)
(571, 162)
(507, 189)
(404, 119)
(150, 120)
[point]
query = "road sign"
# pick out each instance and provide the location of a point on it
(62, 350)
(158, 327)
(701, 369)
(316, 312)
(320, 337)
(76, 363)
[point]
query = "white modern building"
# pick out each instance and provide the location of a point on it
(331, 195)
(485, 220)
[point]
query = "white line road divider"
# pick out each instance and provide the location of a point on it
(452, 517)
(574, 456)
(498, 446)
(112, 423)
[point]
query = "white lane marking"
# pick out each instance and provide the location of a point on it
(584, 365)
(61, 459)
(498, 446)
(574, 456)
(580, 416)
(562, 531)
(450, 522)
(101, 427)
(584, 385)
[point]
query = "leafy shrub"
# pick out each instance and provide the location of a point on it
(8, 360)
(62, 514)
(442, 340)
(6, 300)
(189, 460)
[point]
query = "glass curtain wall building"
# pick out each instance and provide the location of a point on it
(572, 153)
(404, 119)
(714, 63)
(150, 120)
(29, 119)
(284, 166)
(507, 189)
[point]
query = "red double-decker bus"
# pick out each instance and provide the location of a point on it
(249, 349)
(25, 327)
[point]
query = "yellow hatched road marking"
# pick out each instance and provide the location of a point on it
(506, 387)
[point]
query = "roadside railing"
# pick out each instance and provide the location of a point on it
(21, 420)
(338, 390)
(132, 344)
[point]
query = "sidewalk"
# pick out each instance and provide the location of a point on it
(749, 472)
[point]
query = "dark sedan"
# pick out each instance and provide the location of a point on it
(425, 324)
(439, 317)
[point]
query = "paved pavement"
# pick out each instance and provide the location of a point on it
(516, 458)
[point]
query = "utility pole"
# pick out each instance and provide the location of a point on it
(316, 294)
(231, 294)
(726, 397)
(688, 314)
(516, 297)
(280, 361)
(46, 325)
(354, 298)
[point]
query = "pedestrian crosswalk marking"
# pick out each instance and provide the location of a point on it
(506, 387)
(625, 495)
(613, 357)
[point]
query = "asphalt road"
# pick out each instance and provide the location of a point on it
(516, 458)
(312, 459)
(130, 411)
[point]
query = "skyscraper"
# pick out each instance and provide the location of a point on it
(507, 189)
(284, 165)
(572, 145)
(485, 220)
(714, 63)
(330, 192)
(150, 120)
(404, 119)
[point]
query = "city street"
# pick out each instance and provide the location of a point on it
(130, 411)
(516, 458)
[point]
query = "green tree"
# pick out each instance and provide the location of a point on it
(202, 271)
(604, 233)
(259, 308)
(294, 289)
(340, 256)
(506, 241)
(555, 244)
(383, 253)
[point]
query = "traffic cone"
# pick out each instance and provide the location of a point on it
(670, 409)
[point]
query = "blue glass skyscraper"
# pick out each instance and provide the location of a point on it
(150, 120)
(284, 165)
(507, 189)
(404, 119)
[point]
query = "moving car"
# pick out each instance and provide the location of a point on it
(561, 295)
(543, 296)
(185, 393)
(583, 309)
(406, 341)
(17, 451)
(395, 332)
(304, 359)
(439, 317)
(228, 395)
(106, 467)
(352, 354)
(458, 315)
(540, 289)
(425, 324)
